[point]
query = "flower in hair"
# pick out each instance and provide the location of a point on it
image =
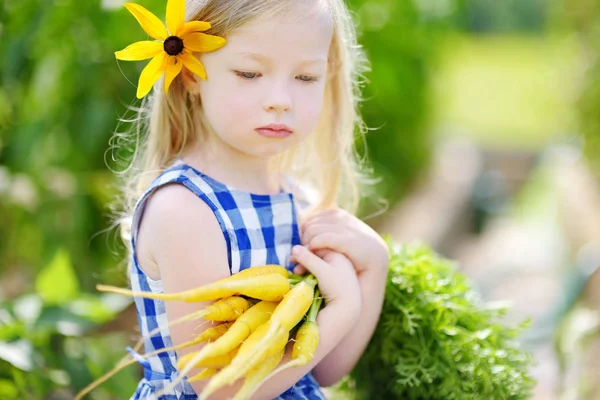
(173, 48)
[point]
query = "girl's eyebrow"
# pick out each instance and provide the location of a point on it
(266, 60)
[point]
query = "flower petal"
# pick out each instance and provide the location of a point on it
(174, 66)
(193, 64)
(148, 21)
(140, 50)
(151, 73)
(193, 26)
(175, 15)
(201, 42)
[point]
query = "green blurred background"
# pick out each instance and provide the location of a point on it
(511, 76)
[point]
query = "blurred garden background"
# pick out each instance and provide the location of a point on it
(486, 136)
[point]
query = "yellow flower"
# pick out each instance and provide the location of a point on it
(172, 48)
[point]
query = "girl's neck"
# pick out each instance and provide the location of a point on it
(250, 174)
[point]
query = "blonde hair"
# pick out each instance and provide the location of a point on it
(327, 160)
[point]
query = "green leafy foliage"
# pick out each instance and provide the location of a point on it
(45, 348)
(400, 40)
(57, 283)
(437, 340)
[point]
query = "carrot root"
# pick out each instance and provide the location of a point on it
(257, 376)
(271, 287)
(214, 362)
(133, 293)
(243, 327)
(255, 353)
(227, 309)
(290, 364)
(140, 342)
(204, 374)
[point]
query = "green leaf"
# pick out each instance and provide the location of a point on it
(99, 309)
(8, 390)
(19, 353)
(27, 308)
(63, 321)
(57, 283)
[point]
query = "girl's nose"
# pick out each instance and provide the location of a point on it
(279, 99)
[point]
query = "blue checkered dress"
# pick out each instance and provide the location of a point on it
(258, 229)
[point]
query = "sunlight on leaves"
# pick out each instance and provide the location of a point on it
(19, 353)
(57, 283)
(7, 389)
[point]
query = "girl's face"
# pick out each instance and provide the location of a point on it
(269, 72)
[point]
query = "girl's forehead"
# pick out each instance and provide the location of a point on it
(297, 34)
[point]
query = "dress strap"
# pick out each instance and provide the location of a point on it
(179, 173)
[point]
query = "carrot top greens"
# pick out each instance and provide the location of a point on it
(436, 340)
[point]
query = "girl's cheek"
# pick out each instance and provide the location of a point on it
(312, 111)
(238, 105)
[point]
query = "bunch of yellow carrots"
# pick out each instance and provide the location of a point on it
(258, 310)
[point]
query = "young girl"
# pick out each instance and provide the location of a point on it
(234, 136)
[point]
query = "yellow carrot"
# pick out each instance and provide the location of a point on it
(261, 270)
(247, 358)
(288, 313)
(294, 305)
(306, 343)
(204, 374)
(257, 375)
(209, 335)
(211, 362)
(213, 333)
(219, 361)
(201, 293)
(240, 330)
(275, 289)
(270, 287)
(305, 346)
(227, 309)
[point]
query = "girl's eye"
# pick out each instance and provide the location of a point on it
(307, 78)
(246, 75)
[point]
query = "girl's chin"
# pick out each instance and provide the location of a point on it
(265, 150)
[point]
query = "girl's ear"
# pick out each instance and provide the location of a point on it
(190, 81)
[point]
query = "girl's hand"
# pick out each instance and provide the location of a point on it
(342, 232)
(337, 279)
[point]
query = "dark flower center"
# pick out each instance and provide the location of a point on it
(173, 45)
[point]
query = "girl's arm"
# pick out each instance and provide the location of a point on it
(336, 230)
(346, 354)
(188, 245)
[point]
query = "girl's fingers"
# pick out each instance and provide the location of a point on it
(314, 230)
(330, 240)
(321, 252)
(299, 270)
(323, 216)
(311, 262)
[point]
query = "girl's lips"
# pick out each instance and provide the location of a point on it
(273, 133)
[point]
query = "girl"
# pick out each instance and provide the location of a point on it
(231, 135)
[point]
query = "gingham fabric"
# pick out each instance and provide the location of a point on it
(258, 229)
